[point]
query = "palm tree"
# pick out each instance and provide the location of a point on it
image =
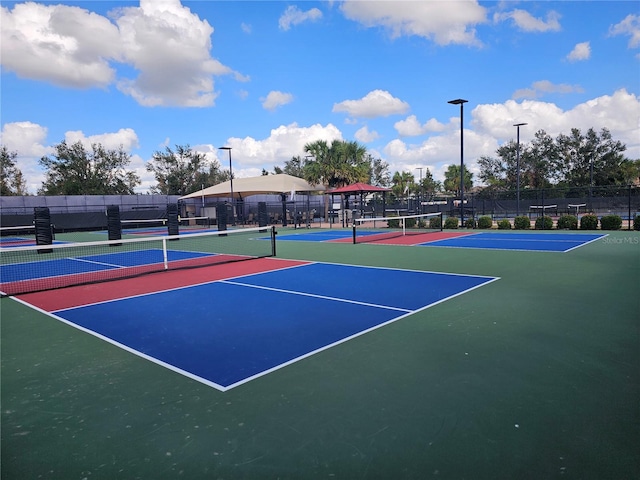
(336, 165)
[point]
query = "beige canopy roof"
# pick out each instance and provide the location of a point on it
(264, 184)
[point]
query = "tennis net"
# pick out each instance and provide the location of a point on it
(132, 226)
(47, 267)
(17, 236)
(371, 230)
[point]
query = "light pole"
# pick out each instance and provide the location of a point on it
(518, 125)
(233, 211)
(461, 102)
(420, 192)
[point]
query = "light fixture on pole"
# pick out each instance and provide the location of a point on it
(233, 210)
(420, 191)
(518, 125)
(461, 102)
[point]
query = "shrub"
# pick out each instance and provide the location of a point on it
(504, 224)
(589, 222)
(568, 222)
(470, 223)
(435, 222)
(611, 222)
(393, 223)
(485, 222)
(544, 223)
(451, 222)
(522, 223)
(410, 222)
(636, 223)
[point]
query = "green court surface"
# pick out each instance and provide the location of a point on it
(534, 376)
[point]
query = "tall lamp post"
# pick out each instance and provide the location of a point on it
(420, 192)
(518, 125)
(461, 102)
(233, 210)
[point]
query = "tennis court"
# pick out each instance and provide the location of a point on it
(532, 242)
(232, 344)
(327, 360)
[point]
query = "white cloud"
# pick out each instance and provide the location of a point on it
(246, 28)
(543, 87)
(411, 127)
(27, 139)
(492, 125)
(125, 137)
(365, 136)
(275, 99)
(443, 22)
(294, 16)
(582, 51)
(284, 142)
(64, 45)
(528, 23)
(629, 26)
(377, 103)
(166, 44)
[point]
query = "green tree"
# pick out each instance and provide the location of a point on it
(295, 166)
(594, 155)
(335, 165)
(428, 186)
(379, 171)
(12, 181)
(72, 170)
(452, 179)
(183, 171)
(402, 184)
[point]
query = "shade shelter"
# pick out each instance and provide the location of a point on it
(281, 184)
(362, 189)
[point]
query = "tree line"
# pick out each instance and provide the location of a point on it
(577, 159)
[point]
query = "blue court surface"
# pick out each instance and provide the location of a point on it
(537, 242)
(91, 263)
(323, 236)
(227, 332)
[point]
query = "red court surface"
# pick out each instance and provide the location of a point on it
(52, 300)
(407, 239)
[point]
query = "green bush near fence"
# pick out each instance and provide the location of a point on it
(521, 223)
(470, 223)
(611, 222)
(589, 222)
(636, 223)
(451, 222)
(544, 223)
(568, 222)
(485, 222)
(504, 224)
(435, 222)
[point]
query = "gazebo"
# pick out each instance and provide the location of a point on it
(240, 188)
(355, 189)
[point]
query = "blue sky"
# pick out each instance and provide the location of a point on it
(267, 77)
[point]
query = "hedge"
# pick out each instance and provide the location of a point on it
(451, 222)
(544, 223)
(522, 223)
(504, 224)
(568, 222)
(485, 222)
(611, 222)
(589, 222)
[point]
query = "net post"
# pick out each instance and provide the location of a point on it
(165, 255)
(273, 240)
(354, 233)
(441, 222)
